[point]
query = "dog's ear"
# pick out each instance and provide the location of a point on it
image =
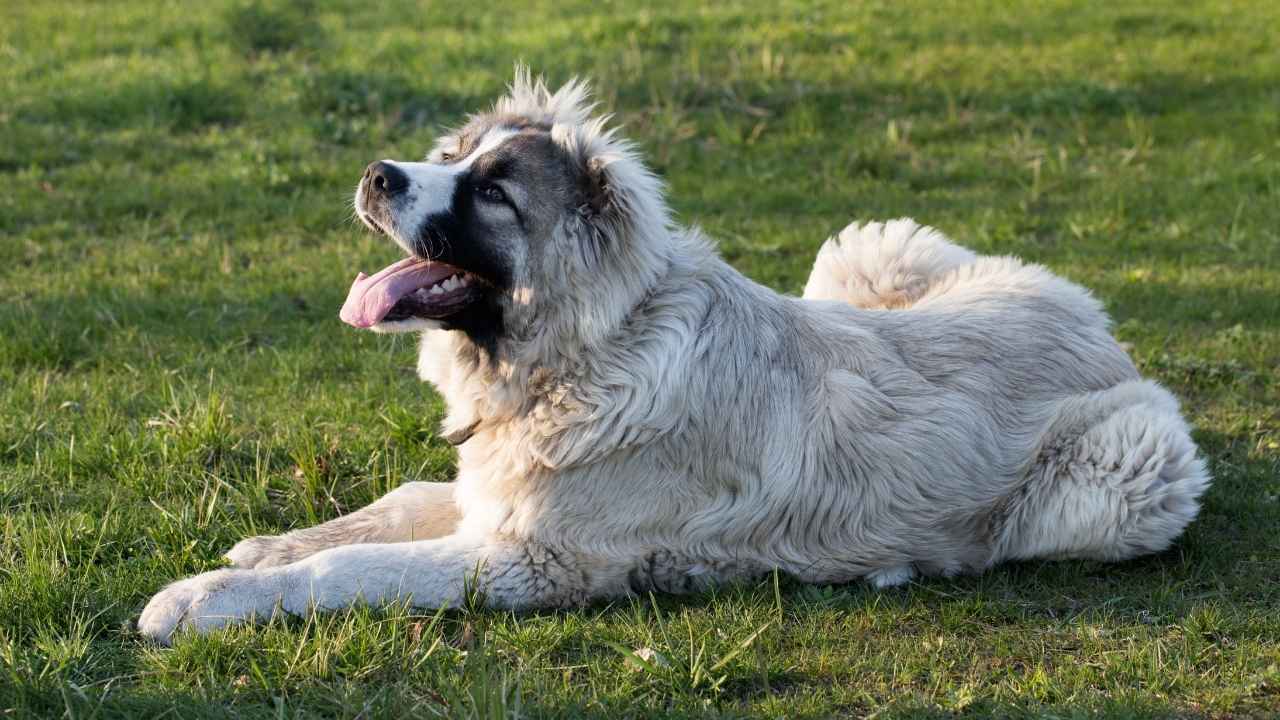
(616, 189)
(617, 194)
(602, 210)
(598, 188)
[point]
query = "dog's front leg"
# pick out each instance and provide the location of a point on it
(413, 511)
(431, 573)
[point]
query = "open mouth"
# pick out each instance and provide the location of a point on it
(410, 288)
(370, 223)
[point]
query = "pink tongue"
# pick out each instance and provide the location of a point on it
(371, 298)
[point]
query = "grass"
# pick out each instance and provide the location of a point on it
(174, 245)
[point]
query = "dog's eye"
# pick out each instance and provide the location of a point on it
(490, 192)
(446, 157)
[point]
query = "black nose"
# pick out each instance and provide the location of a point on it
(383, 178)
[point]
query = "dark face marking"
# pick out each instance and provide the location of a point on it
(486, 236)
(463, 237)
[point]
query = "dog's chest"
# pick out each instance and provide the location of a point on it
(498, 482)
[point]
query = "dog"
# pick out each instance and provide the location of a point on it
(631, 414)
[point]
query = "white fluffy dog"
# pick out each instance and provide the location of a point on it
(634, 414)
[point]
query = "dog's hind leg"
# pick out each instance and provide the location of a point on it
(892, 576)
(882, 265)
(1116, 477)
(413, 511)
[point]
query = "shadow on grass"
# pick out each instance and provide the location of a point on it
(87, 330)
(400, 702)
(1220, 304)
(1047, 101)
(329, 100)
(180, 106)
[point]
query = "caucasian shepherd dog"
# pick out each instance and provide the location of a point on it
(633, 414)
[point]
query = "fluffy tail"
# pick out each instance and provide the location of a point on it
(883, 265)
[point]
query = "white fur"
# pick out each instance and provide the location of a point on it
(891, 576)
(882, 264)
(654, 420)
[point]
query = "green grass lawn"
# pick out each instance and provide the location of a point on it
(175, 243)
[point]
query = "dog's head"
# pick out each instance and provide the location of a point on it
(531, 220)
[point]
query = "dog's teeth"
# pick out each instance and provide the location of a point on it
(437, 290)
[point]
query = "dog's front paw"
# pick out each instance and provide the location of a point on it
(265, 551)
(205, 603)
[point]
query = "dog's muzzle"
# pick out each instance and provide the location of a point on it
(384, 180)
